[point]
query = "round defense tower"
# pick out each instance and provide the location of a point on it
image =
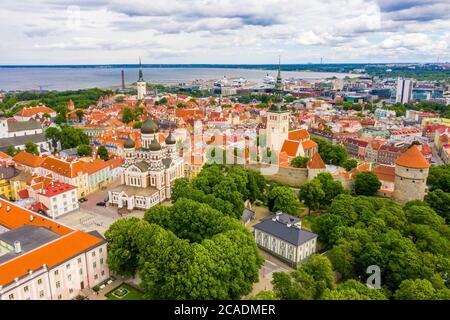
(411, 173)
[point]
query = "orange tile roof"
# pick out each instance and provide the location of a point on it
(385, 173)
(316, 162)
(309, 144)
(301, 134)
(71, 243)
(28, 159)
(4, 155)
(413, 158)
(28, 112)
(290, 147)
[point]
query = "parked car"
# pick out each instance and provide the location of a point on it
(81, 200)
(101, 204)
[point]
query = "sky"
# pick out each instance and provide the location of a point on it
(36, 32)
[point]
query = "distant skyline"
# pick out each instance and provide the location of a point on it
(92, 32)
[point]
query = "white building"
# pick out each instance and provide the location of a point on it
(149, 172)
(59, 198)
(41, 259)
(282, 236)
(404, 91)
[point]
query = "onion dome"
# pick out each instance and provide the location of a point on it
(155, 146)
(149, 126)
(129, 144)
(170, 139)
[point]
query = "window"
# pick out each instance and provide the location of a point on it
(68, 266)
(70, 290)
(58, 284)
(100, 250)
(39, 281)
(41, 293)
(56, 272)
(11, 296)
(81, 271)
(103, 272)
(96, 277)
(26, 289)
(94, 265)
(69, 277)
(79, 260)
(59, 297)
(101, 261)
(93, 253)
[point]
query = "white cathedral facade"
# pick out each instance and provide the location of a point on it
(149, 172)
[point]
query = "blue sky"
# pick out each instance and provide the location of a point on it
(223, 31)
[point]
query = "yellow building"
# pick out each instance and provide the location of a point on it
(7, 173)
(19, 183)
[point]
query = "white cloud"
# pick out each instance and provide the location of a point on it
(222, 31)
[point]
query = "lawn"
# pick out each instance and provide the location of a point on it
(125, 292)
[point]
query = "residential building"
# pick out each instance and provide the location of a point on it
(41, 259)
(7, 173)
(58, 198)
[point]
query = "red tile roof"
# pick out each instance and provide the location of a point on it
(385, 173)
(316, 162)
(290, 147)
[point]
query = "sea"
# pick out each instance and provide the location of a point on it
(59, 78)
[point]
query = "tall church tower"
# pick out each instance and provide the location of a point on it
(411, 173)
(141, 84)
(277, 127)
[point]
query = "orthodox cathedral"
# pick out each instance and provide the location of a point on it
(149, 171)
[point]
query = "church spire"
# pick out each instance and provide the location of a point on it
(278, 92)
(141, 74)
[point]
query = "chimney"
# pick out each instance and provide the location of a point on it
(17, 247)
(123, 80)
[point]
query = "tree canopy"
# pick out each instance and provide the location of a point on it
(366, 183)
(187, 251)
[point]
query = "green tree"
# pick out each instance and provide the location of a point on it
(299, 162)
(264, 295)
(366, 183)
(71, 137)
(439, 178)
(11, 151)
(331, 187)
(354, 290)
(127, 115)
(80, 114)
(419, 289)
(84, 150)
(102, 153)
(32, 148)
(440, 202)
(54, 135)
(349, 164)
(311, 194)
(123, 253)
(283, 199)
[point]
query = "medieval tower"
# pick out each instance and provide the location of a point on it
(141, 84)
(277, 128)
(411, 172)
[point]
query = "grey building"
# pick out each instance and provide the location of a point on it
(282, 236)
